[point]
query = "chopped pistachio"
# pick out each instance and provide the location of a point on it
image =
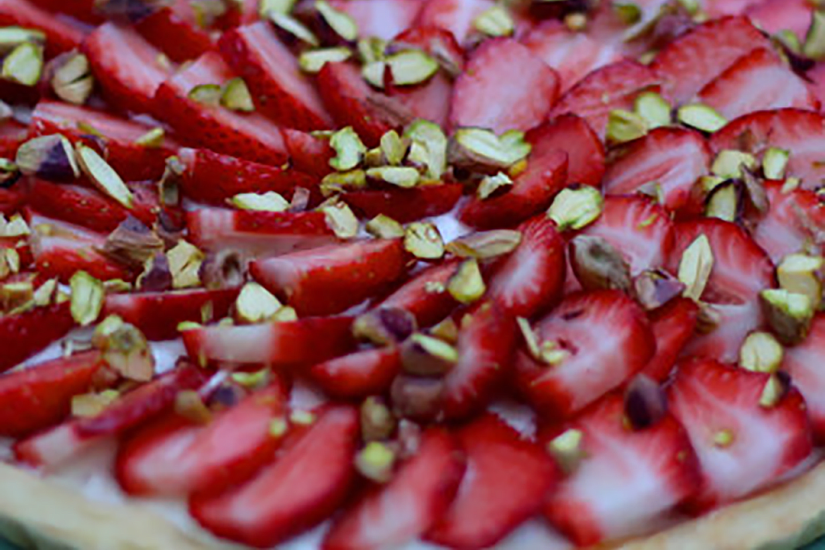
(338, 182)
(598, 264)
(255, 304)
(152, 139)
(87, 298)
(278, 427)
(133, 243)
(294, 27)
(207, 94)
(11, 37)
(428, 148)
(190, 405)
(566, 448)
(495, 21)
(125, 349)
(729, 163)
(788, 314)
(394, 147)
(374, 72)
(384, 325)
(341, 220)
(653, 289)
(478, 148)
(709, 183)
(103, 175)
(725, 202)
(183, 326)
(24, 64)
(91, 404)
(530, 338)
(652, 189)
(774, 163)
(260, 202)
(300, 199)
(236, 96)
(302, 418)
(72, 80)
(14, 295)
(701, 117)
(45, 293)
(492, 184)
(373, 158)
(116, 286)
(342, 23)
(377, 421)
(628, 12)
(349, 149)
(788, 39)
(384, 227)
(375, 462)
(467, 285)
(371, 49)
(312, 61)
(423, 355)
(50, 157)
(485, 245)
(695, 267)
(169, 184)
(16, 226)
(814, 46)
(185, 261)
(761, 352)
(790, 185)
(773, 392)
(799, 273)
(423, 240)
(624, 125)
(576, 208)
(653, 108)
(265, 7)
(446, 330)
(410, 67)
(156, 275)
(400, 176)
(723, 438)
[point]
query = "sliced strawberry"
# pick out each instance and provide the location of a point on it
(510, 478)
(66, 441)
(585, 151)
(425, 295)
(332, 278)
(627, 479)
(405, 205)
(417, 496)
(673, 158)
(175, 456)
(308, 153)
(672, 325)
(816, 81)
(258, 233)
(757, 81)
(359, 374)
(61, 36)
(12, 200)
(758, 443)
(428, 101)
(480, 100)
(301, 342)
(248, 135)
(792, 223)
(531, 279)
(798, 131)
(456, 16)
(717, 8)
(178, 38)
(773, 16)
(125, 66)
(384, 19)
(717, 43)
(157, 314)
(436, 41)
(802, 362)
(301, 488)
(727, 329)
(281, 91)
(611, 87)
(607, 338)
(24, 334)
(12, 134)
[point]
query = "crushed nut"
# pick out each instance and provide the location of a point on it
(799, 273)
(377, 421)
(87, 405)
(189, 405)
(761, 352)
(485, 245)
(729, 163)
(424, 355)
(340, 22)
(103, 176)
(152, 139)
(598, 264)
(255, 304)
(49, 157)
(132, 242)
(576, 208)
(653, 108)
(774, 163)
(624, 125)
(491, 185)
(260, 202)
(289, 24)
(24, 64)
(467, 285)
(340, 219)
(428, 148)
(125, 349)
(312, 61)
(400, 176)
(495, 21)
(349, 149)
(701, 117)
(567, 449)
(788, 314)
(384, 325)
(477, 149)
(185, 261)
(236, 97)
(695, 267)
(375, 462)
(72, 80)
(87, 298)
(384, 227)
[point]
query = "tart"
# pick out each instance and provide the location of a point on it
(353, 274)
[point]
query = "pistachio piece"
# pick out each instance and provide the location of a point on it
(598, 264)
(628, 12)
(312, 61)
(72, 80)
(24, 64)
(302, 418)
(644, 402)
(156, 275)
(774, 163)
(45, 293)
(185, 261)
(103, 176)
(788, 314)
(384, 227)
(467, 285)
(13, 295)
(377, 422)
(400, 176)
(495, 21)
(576, 208)
(152, 139)
(725, 201)
(189, 405)
(394, 148)
(416, 398)
(340, 22)
(653, 289)
(289, 24)
(723, 438)
(529, 336)
(253, 380)
(339, 182)
(427, 356)
(206, 94)
(91, 404)
(340, 219)
(236, 97)
(814, 47)
(728, 163)
(261, 202)
(446, 330)
(374, 73)
(255, 304)
(265, 7)
(566, 449)
(169, 184)
(491, 185)
(423, 240)
(124, 348)
(547, 352)
(278, 427)
(695, 267)
(375, 462)
(790, 185)
(485, 245)
(624, 125)
(653, 108)
(49, 157)
(709, 183)
(87, 298)
(761, 352)
(428, 148)
(349, 149)
(799, 273)
(701, 117)
(15, 227)
(11, 37)
(384, 325)
(410, 67)
(371, 49)
(775, 389)
(132, 242)
(477, 149)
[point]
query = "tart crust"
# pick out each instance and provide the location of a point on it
(39, 514)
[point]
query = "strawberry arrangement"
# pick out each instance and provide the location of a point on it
(606, 212)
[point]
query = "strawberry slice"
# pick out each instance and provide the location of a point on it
(607, 339)
(531, 279)
(301, 488)
(12, 134)
(176, 456)
(26, 333)
(410, 504)
(425, 295)
(428, 101)
(800, 132)
(359, 374)
(213, 178)
(12, 200)
(40, 396)
(480, 100)
(645, 472)
(61, 36)
(285, 343)
(125, 66)
(792, 222)
(673, 158)
(384, 19)
(585, 151)
(258, 233)
(717, 43)
(405, 205)
(741, 444)
(757, 81)
(456, 16)
(718, 8)
(801, 363)
(57, 445)
(249, 136)
(280, 89)
(436, 41)
(178, 38)
(672, 325)
(511, 477)
(611, 87)
(773, 16)
(332, 278)
(309, 154)
(157, 314)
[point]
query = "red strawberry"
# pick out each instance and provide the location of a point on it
(405, 205)
(607, 338)
(673, 326)
(359, 374)
(24, 334)
(12, 134)
(12, 200)
(125, 66)
(281, 91)
(531, 279)
(717, 43)
(741, 444)
(418, 495)
(157, 314)
(511, 477)
(308, 153)
(66, 441)
(178, 38)
(585, 151)
(61, 36)
(673, 158)
(429, 100)
(792, 223)
(802, 362)
(773, 16)
(383, 20)
(249, 136)
(816, 81)
(456, 16)
(301, 488)
(723, 337)
(332, 278)
(757, 81)
(425, 295)
(40, 396)
(611, 87)
(175, 456)
(643, 473)
(717, 8)
(286, 343)
(480, 100)
(255, 232)
(800, 132)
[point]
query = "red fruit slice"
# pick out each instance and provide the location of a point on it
(791, 223)
(175, 456)
(157, 314)
(585, 151)
(304, 485)
(436, 41)
(674, 158)
(61, 36)
(405, 205)
(672, 325)
(12, 134)
(40, 396)
(359, 374)
(511, 477)
(456, 16)
(383, 20)
(24, 334)
(608, 339)
(428, 101)
(425, 295)
(11, 201)
(646, 472)
(280, 89)
(758, 443)
(802, 362)
(732, 324)
(417, 496)
(178, 38)
(776, 15)
(287, 343)
(249, 135)
(307, 153)
(531, 279)
(332, 278)
(480, 100)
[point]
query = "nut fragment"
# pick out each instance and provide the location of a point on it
(576, 208)
(624, 125)
(189, 405)
(223, 269)
(87, 298)
(16, 226)
(206, 94)
(423, 240)
(91, 404)
(701, 117)
(761, 352)
(424, 355)
(124, 348)
(265, 7)
(644, 402)
(416, 398)
(723, 438)
(312, 61)
(253, 380)
(775, 389)
(547, 352)
(260, 202)
(236, 97)
(278, 427)
(384, 325)
(814, 46)
(567, 449)
(340, 22)
(384, 227)
(72, 80)
(49, 157)
(185, 261)
(302, 418)
(349, 149)
(428, 148)
(340, 219)
(493, 185)
(156, 275)
(294, 27)
(788, 314)
(132, 242)
(729, 163)
(375, 462)
(24, 64)
(103, 176)
(341, 182)
(695, 267)
(255, 304)
(799, 273)
(11, 37)
(478, 149)
(774, 163)
(598, 264)
(495, 21)
(377, 422)
(446, 330)
(400, 176)
(726, 202)
(411, 67)
(653, 108)
(485, 245)
(394, 148)
(152, 139)
(653, 289)
(467, 285)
